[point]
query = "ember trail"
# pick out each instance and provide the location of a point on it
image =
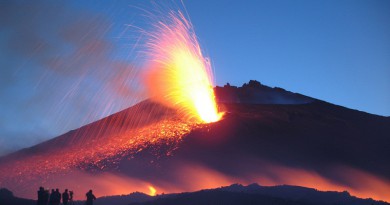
(178, 75)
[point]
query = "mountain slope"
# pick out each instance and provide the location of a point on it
(260, 139)
(7, 198)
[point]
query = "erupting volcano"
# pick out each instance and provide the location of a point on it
(190, 135)
(268, 135)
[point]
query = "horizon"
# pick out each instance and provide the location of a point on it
(205, 189)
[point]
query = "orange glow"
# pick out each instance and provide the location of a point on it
(360, 184)
(26, 174)
(179, 75)
(152, 191)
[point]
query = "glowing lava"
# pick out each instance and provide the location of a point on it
(179, 75)
(152, 191)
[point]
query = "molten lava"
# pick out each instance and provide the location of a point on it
(178, 74)
(152, 191)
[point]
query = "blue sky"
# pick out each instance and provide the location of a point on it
(65, 64)
(338, 51)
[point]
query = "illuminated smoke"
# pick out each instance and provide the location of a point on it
(178, 75)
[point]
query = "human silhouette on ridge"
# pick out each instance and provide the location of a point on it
(43, 196)
(65, 197)
(90, 198)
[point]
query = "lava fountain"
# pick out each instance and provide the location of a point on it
(177, 74)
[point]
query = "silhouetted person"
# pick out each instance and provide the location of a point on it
(90, 198)
(46, 197)
(57, 197)
(41, 195)
(52, 198)
(65, 197)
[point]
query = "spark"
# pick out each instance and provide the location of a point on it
(92, 150)
(178, 74)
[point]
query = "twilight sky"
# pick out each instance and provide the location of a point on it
(66, 64)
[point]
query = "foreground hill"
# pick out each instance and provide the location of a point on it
(255, 194)
(8, 198)
(267, 135)
(235, 194)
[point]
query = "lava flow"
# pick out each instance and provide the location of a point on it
(178, 75)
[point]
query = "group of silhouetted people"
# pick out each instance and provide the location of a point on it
(55, 197)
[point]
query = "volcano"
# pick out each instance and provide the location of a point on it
(267, 135)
